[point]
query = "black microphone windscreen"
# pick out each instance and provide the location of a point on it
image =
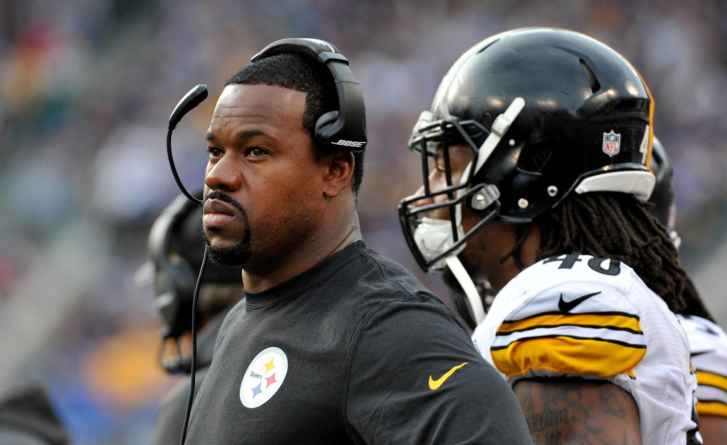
(194, 97)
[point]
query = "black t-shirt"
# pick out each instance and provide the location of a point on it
(354, 350)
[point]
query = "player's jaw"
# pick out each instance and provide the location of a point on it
(226, 228)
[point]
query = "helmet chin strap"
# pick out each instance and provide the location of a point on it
(497, 132)
(468, 286)
(499, 127)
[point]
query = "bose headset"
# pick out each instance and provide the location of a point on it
(174, 280)
(173, 275)
(344, 128)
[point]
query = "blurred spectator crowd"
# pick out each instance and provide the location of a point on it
(86, 87)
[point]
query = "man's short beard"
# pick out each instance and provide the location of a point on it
(236, 255)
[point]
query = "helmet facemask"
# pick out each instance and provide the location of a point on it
(433, 240)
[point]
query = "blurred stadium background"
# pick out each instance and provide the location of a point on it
(86, 87)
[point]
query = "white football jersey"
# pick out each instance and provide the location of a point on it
(593, 318)
(708, 347)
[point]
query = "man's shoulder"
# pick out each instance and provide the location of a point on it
(383, 285)
(708, 351)
(571, 314)
(228, 319)
(707, 340)
(568, 285)
(581, 274)
(386, 274)
(383, 280)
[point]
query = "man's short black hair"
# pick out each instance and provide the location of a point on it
(302, 74)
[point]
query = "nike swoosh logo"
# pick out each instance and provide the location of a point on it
(567, 306)
(435, 384)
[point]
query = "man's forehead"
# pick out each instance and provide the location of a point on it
(265, 109)
(260, 101)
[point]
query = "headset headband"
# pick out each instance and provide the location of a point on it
(346, 127)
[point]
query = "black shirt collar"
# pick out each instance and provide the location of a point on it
(300, 283)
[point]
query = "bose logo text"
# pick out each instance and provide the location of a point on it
(346, 143)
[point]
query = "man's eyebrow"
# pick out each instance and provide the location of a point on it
(244, 135)
(240, 137)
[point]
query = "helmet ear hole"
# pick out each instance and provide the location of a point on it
(534, 158)
(502, 162)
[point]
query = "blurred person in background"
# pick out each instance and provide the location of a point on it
(707, 340)
(176, 246)
(335, 343)
(534, 159)
(28, 418)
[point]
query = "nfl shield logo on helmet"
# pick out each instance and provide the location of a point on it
(611, 143)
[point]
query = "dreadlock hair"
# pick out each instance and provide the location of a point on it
(618, 226)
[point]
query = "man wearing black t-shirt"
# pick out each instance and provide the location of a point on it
(334, 343)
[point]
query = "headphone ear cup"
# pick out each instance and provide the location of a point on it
(174, 290)
(183, 277)
(166, 300)
(325, 128)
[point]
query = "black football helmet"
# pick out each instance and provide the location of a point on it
(546, 112)
(663, 197)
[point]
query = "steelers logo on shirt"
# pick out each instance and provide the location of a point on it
(263, 377)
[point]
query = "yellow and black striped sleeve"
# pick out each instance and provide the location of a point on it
(708, 351)
(599, 344)
(711, 393)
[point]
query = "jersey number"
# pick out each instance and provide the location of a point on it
(595, 263)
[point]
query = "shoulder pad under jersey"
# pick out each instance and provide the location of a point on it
(571, 315)
(708, 351)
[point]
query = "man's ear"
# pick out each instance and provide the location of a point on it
(338, 173)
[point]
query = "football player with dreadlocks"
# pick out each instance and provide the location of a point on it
(534, 160)
(707, 341)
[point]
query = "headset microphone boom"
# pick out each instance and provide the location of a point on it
(194, 97)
